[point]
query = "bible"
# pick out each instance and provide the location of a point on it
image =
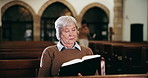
(86, 66)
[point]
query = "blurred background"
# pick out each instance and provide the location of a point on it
(109, 20)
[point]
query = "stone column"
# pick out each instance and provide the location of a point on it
(36, 28)
(118, 20)
(0, 33)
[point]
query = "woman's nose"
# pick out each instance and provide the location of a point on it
(71, 33)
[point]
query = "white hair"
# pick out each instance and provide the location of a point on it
(62, 22)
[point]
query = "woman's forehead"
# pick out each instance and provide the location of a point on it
(71, 25)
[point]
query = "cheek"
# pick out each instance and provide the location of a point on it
(76, 34)
(64, 36)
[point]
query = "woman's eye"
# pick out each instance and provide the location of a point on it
(73, 29)
(66, 31)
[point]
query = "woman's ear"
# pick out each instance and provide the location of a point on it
(78, 32)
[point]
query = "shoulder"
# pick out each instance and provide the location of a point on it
(50, 49)
(86, 49)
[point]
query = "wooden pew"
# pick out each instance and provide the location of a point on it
(24, 44)
(126, 55)
(96, 48)
(109, 76)
(117, 63)
(19, 55)
(133, 61)
(22, 50)
(107, 46)
(145, 57)
(105, 50)
(19, 68)
(113, 51)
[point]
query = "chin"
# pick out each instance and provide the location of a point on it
(72, 42)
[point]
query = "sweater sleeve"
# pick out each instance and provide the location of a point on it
(45, 64)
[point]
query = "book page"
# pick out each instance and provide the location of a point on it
(90, 57)
(71, 62)
(80, 60)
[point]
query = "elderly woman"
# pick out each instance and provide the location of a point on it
(66, 49)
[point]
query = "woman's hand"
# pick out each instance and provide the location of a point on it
(79, 74)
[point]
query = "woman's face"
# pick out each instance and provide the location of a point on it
(69, 34)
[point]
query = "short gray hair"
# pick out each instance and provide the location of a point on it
(62, 22)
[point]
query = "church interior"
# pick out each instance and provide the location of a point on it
(118, 32)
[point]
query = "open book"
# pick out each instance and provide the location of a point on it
(86, 66)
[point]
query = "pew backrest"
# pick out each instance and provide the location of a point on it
(19, 55)
(19, 68)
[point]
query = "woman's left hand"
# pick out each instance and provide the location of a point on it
(79, 74)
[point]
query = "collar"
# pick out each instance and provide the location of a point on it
(60, 46)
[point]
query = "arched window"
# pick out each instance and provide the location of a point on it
(17, 24)
(97, 21)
